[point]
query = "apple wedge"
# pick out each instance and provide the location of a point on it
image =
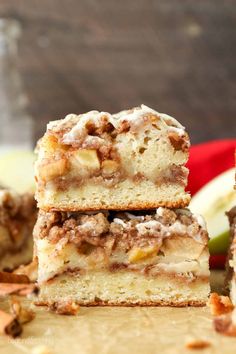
(212, 201)
(17, 170)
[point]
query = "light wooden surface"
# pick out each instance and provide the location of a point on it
(176, 56)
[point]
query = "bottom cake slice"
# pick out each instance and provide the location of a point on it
(231, 266)
(122, 258)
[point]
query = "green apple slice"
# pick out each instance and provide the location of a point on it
(212, 201)
(17, 170)
(219, 244)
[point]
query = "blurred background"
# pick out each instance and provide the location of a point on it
(70, 56)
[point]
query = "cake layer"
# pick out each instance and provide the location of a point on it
(17, 218)
(95, 160)
(162, 245)
(124, 288)
(122, 197)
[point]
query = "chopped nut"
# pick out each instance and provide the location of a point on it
(197, 344)
(109, 167)
(88, 158)
(66, 308)
(22, 314)
(17, 289)
(41, 349)
(226, 324)
(179, 142)
(137, 254)
(219, 304)
(53, 169)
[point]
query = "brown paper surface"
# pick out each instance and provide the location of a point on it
(120, 330)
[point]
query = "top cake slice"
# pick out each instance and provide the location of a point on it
(130, 160)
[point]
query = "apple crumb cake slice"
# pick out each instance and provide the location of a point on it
(17, 219)
(122, 258)
(131, 160)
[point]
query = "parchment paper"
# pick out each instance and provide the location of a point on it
(121, 330)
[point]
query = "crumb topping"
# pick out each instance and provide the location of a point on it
(94, 126)
(98, 119)
(125, 228)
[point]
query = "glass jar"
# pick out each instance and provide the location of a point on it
(15, 123)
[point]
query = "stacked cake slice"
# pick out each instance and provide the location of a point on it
(231, 276)
(112, 227)
(231, 266)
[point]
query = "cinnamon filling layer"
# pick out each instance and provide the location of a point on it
(171, 175)
(117, 267)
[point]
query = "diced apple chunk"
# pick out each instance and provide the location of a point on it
(50, 144)
(53, 170)
(137, 254)
(109, 166)
(87, 158)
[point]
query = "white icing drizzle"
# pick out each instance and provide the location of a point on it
(151, 225)
(154, 225)
(165, 230)
(120, 222)
(201, 221)
(59, 123)
(138, 112)
(160, 211)
(135, 217)
(80, 126)
(133, 116)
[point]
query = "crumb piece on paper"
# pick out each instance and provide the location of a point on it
(219, 304)
(6, 277)
(30, 270)
(224, 312)
(226, 324)
(23, 314)
(41, 349)
(9, 325)
(197, 344)
(65, 308)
